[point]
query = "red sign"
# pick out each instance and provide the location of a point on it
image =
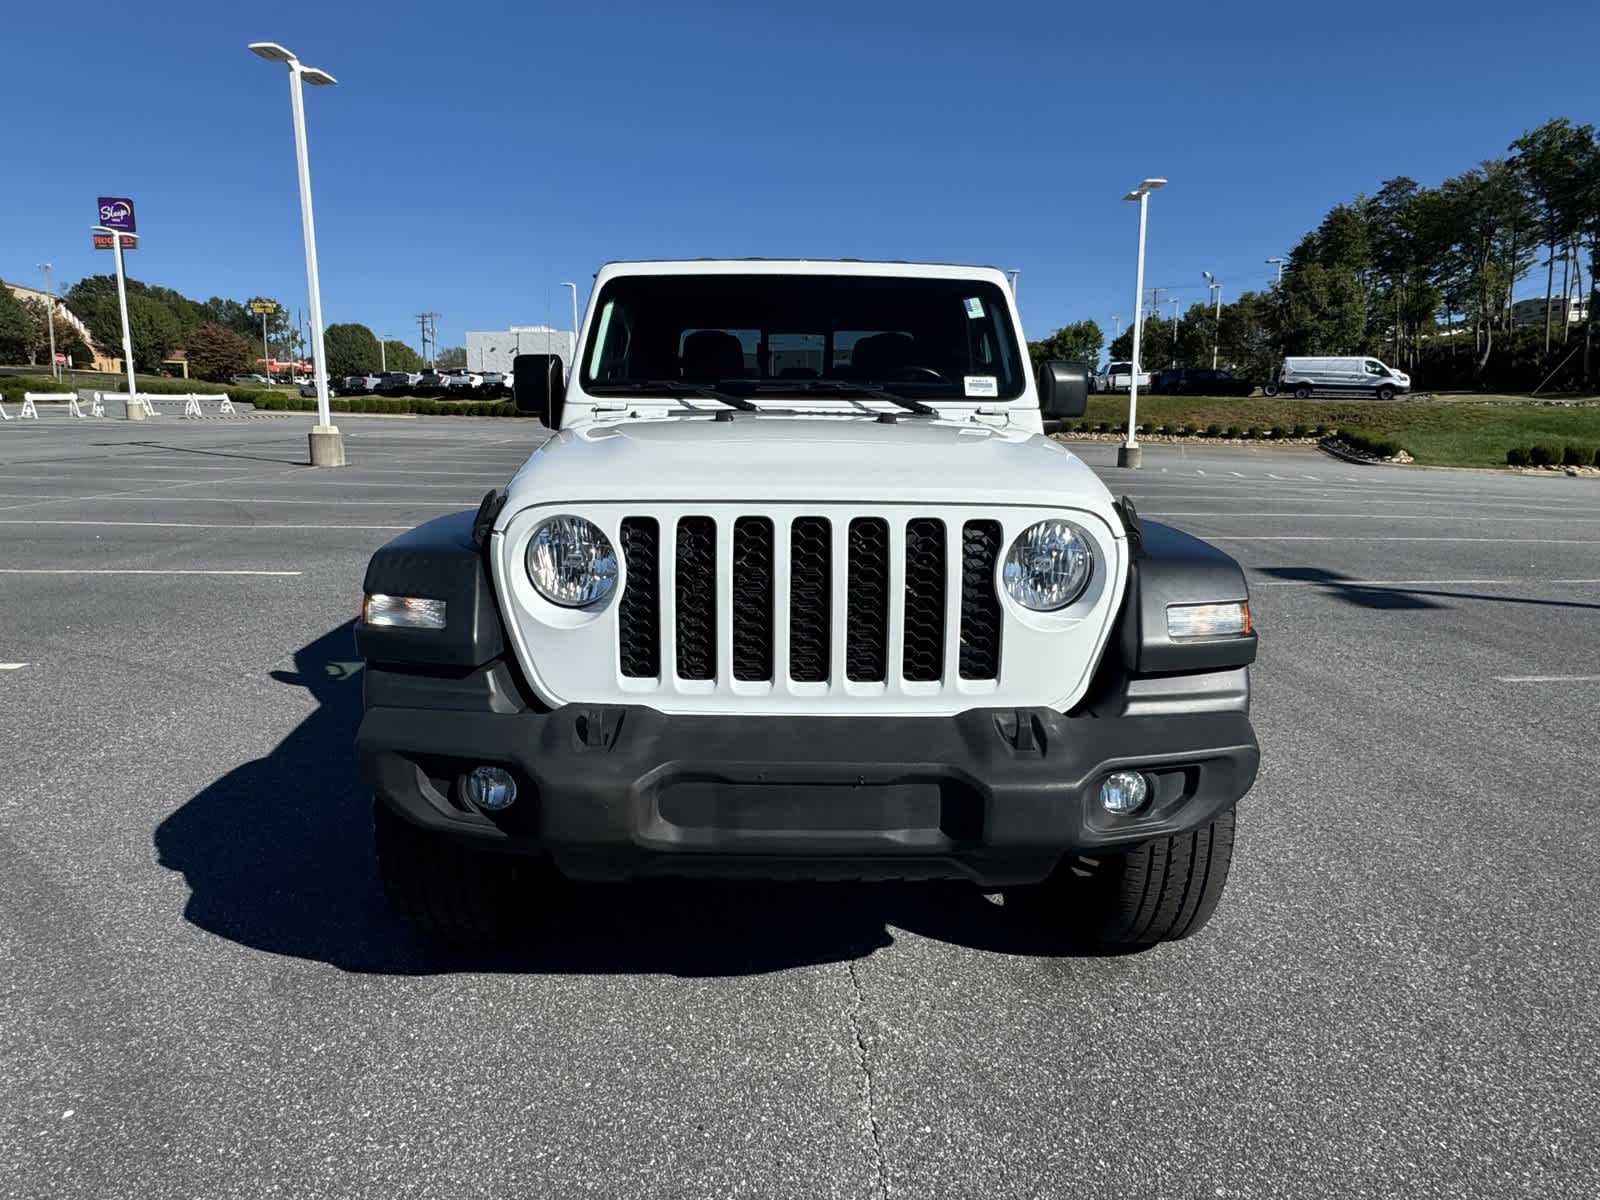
(102, 241)
(61, 359)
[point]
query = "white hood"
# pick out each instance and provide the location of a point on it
(807, 459)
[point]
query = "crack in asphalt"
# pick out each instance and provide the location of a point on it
(864, 1063)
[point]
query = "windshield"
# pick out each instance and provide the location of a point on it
(921, 338)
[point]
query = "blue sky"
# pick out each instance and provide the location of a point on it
(474, 155)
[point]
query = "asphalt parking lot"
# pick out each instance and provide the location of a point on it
(203, 996)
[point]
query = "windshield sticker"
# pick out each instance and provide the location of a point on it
(974, 308)
(982, 385)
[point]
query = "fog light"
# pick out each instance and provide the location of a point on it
(1124, 792)
(489, 788)
(402, 612)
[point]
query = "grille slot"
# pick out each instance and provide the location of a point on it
(866, 636)
(638, 612)
(810, 582)
(923, 657)
(752, 598)
(696, 598)
(980, 603)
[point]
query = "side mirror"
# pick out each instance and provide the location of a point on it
(1063, 389)
(539, 387)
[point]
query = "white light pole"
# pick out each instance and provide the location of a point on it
(1215, 287)
(1129, 454)
(122, 302)
(50, 319)
(1174, 334)
(383, 353)
(1011, 274)
(574, 288)
(1279, 263)
(327, 444)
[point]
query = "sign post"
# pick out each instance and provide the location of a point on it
(118, 229)
(266, 308)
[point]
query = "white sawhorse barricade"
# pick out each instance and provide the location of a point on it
(97, 408)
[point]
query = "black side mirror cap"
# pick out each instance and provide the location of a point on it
(1063, 389)
(538, 386)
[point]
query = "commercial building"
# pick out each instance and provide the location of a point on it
(1531, 312)
(494, 351)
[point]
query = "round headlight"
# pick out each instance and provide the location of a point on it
(1048, 566)
(571, 562)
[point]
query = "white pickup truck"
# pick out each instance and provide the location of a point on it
(1118, 377)
(799, 588)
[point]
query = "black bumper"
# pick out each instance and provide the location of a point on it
(992, 795)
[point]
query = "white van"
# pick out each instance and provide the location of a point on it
(1307, 376)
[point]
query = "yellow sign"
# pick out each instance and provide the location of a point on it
(263, 306)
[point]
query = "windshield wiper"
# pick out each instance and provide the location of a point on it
(674, 387)
(843, 386)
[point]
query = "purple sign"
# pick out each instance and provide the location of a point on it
(116, 212)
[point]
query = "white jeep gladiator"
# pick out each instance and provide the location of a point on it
(800, 588)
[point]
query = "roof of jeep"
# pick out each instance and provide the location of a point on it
(795, 266)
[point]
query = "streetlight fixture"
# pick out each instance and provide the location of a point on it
(327, 443)
(50, 319)
(1280, 263)
(1214, 285)
(1129, 454)
(122, 303)
(574, 288)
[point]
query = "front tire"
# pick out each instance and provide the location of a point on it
(1386, 393)
(445, 893)
(1269, 389)
(1161, 891)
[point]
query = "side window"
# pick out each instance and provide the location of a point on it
(1375, 368)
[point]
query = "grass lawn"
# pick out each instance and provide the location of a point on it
(1458, 431)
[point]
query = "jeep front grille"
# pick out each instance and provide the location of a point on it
(873, 560)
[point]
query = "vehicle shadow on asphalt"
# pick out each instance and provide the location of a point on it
(278, 857)
(1398, 596)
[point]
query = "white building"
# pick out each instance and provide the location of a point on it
(1531, 312)
(494, 351)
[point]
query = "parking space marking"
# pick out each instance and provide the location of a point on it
(1333, 537)
(132, 571)
(1340, 581)
(196, 525)
(1547, 678)
(12, 666)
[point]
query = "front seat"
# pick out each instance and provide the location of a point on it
(711, 354)
(881, 355)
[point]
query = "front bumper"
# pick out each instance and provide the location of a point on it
(997, 796)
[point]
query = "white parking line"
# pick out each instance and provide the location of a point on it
(195, 525)
(1237, 474)
(12, 666)
(1324, 537)
(1340, 582)
(129, 571)
(1547, 678)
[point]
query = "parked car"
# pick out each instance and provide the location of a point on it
(1118, 377)
(360, 385)
(461, 379)
(594, 675)
(430, 382)
(1345, 375)
(394, 383)
(250, 380)
(495, 382)
(1199, 381)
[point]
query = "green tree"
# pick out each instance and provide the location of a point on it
(1551, 161)
(154, 331)
(1322, 310)
(1080, 341)
(15, 327)
(352, 349)
(216, 352)
(400, 356)
(40, 316)
(451, 356)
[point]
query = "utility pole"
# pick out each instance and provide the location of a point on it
(1279, 263)
(1174, 361)
(50, 319)
(425, 325)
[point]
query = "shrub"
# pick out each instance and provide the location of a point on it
(1314, 431)
(1234, 431)
(1542, 456)
(1517, 456)
(1213, 430)
(1597, 456)
(1100, 427)
(1371, 443)
(1253, 432)
(1576, 456)
(1300, 431)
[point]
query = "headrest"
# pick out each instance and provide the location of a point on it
(881, 352)
(711, 354)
